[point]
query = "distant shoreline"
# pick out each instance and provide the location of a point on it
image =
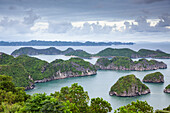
(61, 43)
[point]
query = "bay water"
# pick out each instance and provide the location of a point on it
(99, 85)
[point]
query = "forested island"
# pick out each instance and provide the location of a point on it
(68, 100)
(167, 89)
(108, 52)
(62, 43)
(126, 63)
(129, 86)
(27, 70)
(156, 77)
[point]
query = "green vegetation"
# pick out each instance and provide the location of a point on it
(149, 53)
(142, 53)
(11, 97)
(165, 110)
(117, 61)
(69, 100)
(126, 62)
(34, 66)
(79, 53)
(122, 61)
(126, 82)
(18, 73)
(167, 87)
(23, 67)
(116, 52)
(154, 77)
(108, 52)
(5, 59)
(75, 65)
(135, 107)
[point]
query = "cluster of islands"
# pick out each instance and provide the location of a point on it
(26, 70)
(108, 52)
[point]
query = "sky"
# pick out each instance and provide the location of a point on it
(85, 20)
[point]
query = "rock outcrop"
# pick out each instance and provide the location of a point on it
(27, 70)
(167, 89)
(129, 86)
(125, 63)
(156, 77)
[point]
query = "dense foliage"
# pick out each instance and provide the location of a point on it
(79, 53)
(108, 52)
(18, 73)
(125, 82)
(25, 69)
(153, 76)
(167, 87)
(165, 110)
(116, 52)
(11, 97)
(135, 107)
(142, 53)
(75, 65)
(68, 100)
(124, 62)
(151, 53)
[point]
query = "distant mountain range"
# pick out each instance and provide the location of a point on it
(62, 43)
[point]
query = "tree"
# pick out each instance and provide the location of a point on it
(135, 107)
(44, 103)
(98, 105)
(75, 94)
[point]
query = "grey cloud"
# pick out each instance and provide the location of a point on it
(59, 27)
(15, 26)
(144, 26)
(147, 1)
(31, 18)
(164, 21)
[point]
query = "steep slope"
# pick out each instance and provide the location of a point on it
(156, 77)
(125, 63)
(128, 86)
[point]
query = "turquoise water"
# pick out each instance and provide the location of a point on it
(100, 84)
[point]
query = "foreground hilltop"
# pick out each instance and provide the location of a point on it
(129, 86)
(27, 70)
(108, 52)
(125, 63)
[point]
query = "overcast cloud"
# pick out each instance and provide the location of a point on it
(146, 20)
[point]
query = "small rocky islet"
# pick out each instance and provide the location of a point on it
(129, 86)
(167, 89)
(156, 77)
(126, 63)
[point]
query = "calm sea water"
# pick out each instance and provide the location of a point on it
(100, 84)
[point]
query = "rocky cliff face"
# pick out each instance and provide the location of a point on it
(128, 64)
(74, 67)
(131, 92)
(167, 89)
(156, 77)
(62, 75)
(129, 86)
